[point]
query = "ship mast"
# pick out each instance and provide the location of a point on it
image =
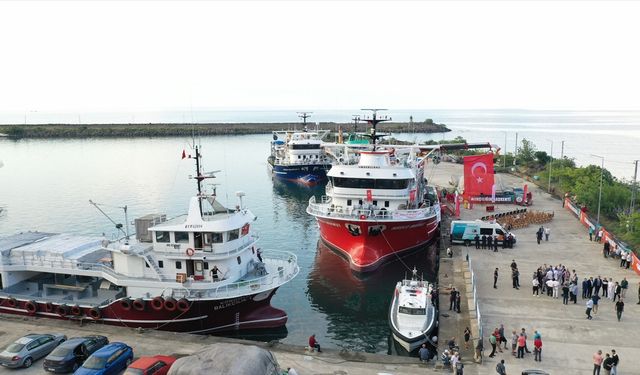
(304, 116)
(373, 121)
(200, 177)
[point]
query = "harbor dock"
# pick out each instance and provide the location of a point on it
(569, 339)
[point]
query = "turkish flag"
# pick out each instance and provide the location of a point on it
(478, 175)
(369, 196)
(184, 154)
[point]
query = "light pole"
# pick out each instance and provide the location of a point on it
(550, 160)
(504, 156)
(600, 193)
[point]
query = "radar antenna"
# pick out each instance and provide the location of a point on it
(373, 121)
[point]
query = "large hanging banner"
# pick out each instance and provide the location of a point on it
(478, 175)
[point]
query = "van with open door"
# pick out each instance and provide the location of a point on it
(464, 231)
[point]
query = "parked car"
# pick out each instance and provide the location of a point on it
(110, 359)
(29, 348)
(70, 355)
(156, 365)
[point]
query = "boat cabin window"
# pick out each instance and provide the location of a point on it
(370, 183)
(375, 203)
(239, 260)
(411, 311)
(348, 202)
(146, 264)
(233, 234)
(162, 237)
(486, 231)
(160, 264)
(312, 146)
(181, 237)
(178, 265)
(213, 237)
(386, 204)
(206, 265)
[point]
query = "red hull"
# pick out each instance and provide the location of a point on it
(201, 316)
(368, 244)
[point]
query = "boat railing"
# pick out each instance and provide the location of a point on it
(326, 208)
(284, 263)
(179, 250)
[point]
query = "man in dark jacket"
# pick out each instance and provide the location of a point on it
(477, 240)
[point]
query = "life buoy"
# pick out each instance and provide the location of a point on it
(170, 304)
(76, 310)
(183, 304)
(11, 302)
(62, 310)
(157, 303)
(190, 252)
(48, 307)
(363, 216)
(95, 313)
(31, 307)
(519, 199)
(125, 303)
(139, 304)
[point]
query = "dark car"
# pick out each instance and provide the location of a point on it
(29, 348)
(110, 359)
(156, 365)
(70, 355)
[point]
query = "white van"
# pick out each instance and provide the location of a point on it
(465, 231)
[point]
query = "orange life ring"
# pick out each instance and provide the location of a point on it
(363, 216)
(190, 252)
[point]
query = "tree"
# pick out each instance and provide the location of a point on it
(526, 153)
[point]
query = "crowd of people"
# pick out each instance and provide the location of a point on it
(609, 362)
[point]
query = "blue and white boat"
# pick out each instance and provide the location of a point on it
(299, 156)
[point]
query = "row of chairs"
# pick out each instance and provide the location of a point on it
(525, 219)
(503, 214)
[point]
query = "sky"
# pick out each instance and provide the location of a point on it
(108, 56)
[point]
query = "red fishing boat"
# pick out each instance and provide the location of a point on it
(378, 208)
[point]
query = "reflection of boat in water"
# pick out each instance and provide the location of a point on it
(378, 208)
(356, 308)
(298, 156)
(412, 316)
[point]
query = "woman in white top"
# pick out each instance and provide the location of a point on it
(611, 288)
(536, 284)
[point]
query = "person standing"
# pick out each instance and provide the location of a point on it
(424, 353)
(489, 242)
(623, 259)
(629, 259)
(493, 340)
(484, 242)
(467, 337)
(514, 277)
(611, 289)
(619, 308)
(590, 233)
(607, 364)
(495, 244)
(595, 298)
(589, 308)
(495, 278)
(605, 287)
(479, 349)
(616, 291)
(585, 288)
(524, 333)
(500, 369)
(597, 362)
(502, 336)
(638, 293)
(574, 290)
(521, 343)
(624, 285)
(597, 284)
(539, 235)
(590, 287)
(536, 285)
(615, 363)
(547, 232)
(565, 294)
(477, 241)
(537, 349)
(556, 288)
(514, 342)
(600, 235)
(452, 299)
(458, 297)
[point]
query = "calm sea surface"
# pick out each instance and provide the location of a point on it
(46, 185)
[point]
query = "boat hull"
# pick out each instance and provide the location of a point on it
(310, 174)
(368, 244)
(202, 316)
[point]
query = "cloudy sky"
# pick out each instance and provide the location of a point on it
(84, 56)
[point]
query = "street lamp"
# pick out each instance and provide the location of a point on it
(550, 160)
(504, 155)
(600, 193)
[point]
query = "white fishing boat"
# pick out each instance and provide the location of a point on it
(412, 316)
(199, 273)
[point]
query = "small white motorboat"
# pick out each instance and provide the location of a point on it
(412, 316)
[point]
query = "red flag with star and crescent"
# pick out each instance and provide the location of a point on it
(478, 175)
